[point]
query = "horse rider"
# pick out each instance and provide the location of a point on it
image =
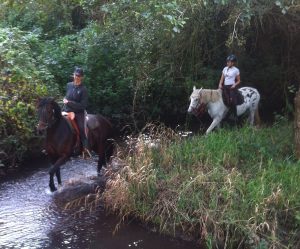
(76, 101)
(229, 81)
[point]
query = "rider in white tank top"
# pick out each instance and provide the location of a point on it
(229, 81)
(230, 75)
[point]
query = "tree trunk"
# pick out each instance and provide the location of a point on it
(297, 124)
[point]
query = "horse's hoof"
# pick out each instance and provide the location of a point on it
(48, 192)
(53, 189)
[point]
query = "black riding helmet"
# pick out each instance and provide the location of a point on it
(78, 71)
(232, 58)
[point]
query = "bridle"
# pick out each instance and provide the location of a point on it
(44, 121)
(200, 108)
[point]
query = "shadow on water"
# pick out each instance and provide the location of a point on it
(30, 218)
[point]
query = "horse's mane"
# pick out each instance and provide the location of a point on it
(50, 101)
(211, 95)
(208, 95)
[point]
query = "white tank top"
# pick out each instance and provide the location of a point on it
(230, 75)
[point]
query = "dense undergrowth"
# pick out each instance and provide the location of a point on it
(232, 189)
(23, 79)
(140, 58)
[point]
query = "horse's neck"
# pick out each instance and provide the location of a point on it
(60, 127)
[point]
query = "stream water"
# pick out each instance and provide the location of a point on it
(31, 219)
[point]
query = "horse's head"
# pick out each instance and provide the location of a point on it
(196, 106)
(48, 113)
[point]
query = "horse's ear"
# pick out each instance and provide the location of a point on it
(51, 100)
(200, 89)
(194, 88)
(37, 102)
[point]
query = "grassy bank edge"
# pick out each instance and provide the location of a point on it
(233, 188)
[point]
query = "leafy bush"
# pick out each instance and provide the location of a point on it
(24, 79)
(141, 58)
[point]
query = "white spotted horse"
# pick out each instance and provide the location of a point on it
(202, 99)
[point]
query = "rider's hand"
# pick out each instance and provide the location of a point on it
(233, 86)
(65, 101)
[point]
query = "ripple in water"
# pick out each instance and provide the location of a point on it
(29, 218)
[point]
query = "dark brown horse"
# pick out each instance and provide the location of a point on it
(61, 137)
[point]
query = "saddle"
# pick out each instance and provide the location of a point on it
(238, 98)
(90, 123)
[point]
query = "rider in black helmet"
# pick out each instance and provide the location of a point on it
(76, 101)
(232, 58)
(229, 81)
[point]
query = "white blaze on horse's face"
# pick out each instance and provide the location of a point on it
(195, 100)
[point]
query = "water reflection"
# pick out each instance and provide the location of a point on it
(30, 218)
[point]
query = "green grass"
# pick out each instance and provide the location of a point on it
(237, 187)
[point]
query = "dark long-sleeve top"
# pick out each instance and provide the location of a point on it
(77, 97)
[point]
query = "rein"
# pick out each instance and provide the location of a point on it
(201, 107)
(44, 116)
(200, 110)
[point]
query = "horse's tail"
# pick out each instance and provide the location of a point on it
(257, 117)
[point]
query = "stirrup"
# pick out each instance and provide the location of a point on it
(86, 151)
(44, 152)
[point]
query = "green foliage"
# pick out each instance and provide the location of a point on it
(141, 58)
(52, 18)
(23, 81)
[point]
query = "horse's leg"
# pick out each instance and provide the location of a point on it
(53, 170)
(251, 116)
(51, 182)
(53, 160)
(101, 162)
(214, 123)
(101, 155)
(256, 117)
(58, 176)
